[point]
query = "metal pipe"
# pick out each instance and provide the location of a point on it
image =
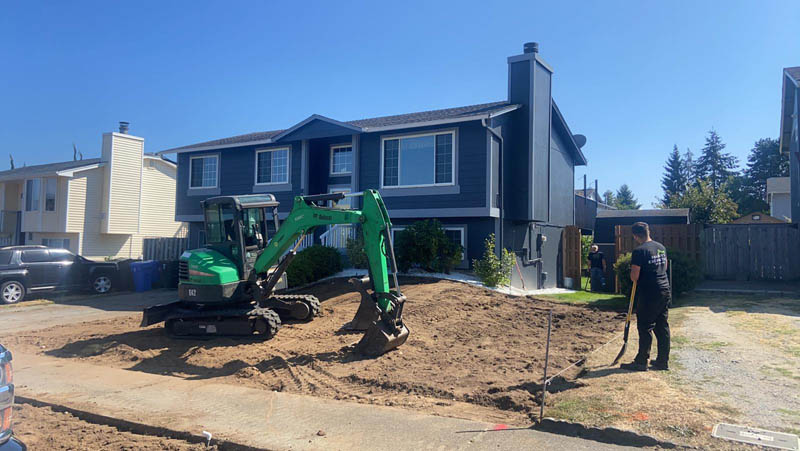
(546, 361)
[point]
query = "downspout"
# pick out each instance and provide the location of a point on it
(485, 123)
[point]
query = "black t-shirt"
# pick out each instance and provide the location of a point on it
(651, 257)
(596, 259)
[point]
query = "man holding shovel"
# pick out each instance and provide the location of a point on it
(649, 274)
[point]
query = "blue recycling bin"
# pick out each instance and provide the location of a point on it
(143, 275)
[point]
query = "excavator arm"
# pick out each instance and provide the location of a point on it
(387, 331)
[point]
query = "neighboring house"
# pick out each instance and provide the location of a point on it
(591, 194)
(758, 218)
(790, 133)
(505, 167)
(99, 207)
(586, 208)
(779, 197)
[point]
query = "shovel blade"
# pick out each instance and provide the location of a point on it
(621, 353)
(380, 339)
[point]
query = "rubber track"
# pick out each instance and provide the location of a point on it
(308, 299)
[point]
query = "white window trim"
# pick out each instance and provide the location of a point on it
(40, 203)
(352, 155)
(216, 174)
(399, 153)
(288, 166)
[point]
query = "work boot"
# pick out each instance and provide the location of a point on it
(634, 366)
(659, 366)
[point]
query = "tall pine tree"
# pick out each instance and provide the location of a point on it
(765, 161)
(714, 164)
(674, 181)
(625, 199)
(608, 198)
(689, 167)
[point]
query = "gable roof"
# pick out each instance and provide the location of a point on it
(419, 119)
(561, 124)
(40, 170)
(791, 84)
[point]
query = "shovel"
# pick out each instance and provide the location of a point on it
(627, 326)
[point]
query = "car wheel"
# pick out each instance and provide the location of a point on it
(12, 292)
(101, 284)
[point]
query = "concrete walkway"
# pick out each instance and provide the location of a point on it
(260, 418)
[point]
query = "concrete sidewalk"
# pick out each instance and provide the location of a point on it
(260, 418)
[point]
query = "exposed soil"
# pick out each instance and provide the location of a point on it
(44, 428)
(471, 353)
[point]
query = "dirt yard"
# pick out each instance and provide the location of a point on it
(472, 353)
(44, 428)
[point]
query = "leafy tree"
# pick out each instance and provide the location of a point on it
(714, 164)
(674, 181)
(608, 198)
(493, 270)
(765, 161)
(625, 199)
(746, 197)
(707, 205)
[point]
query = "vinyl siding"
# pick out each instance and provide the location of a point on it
(76, 209)
(125, 169)
(158, 200)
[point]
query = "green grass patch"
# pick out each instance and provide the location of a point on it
(27, 303)
(593, 410)
(789, 412)
(608, 300)
(678, 341)
(711, 346)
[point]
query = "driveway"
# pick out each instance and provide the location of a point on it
(63, 310)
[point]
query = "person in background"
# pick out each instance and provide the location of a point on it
(653, 296)
(597, 268)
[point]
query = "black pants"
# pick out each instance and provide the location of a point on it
(652, 315)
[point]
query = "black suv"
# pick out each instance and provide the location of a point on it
(31, 269)
(7, 442)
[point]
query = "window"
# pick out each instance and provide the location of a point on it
(32, 193)
(203, 172)
(5, 257)
(346, 203)
(341, 160)
(272, 166)
(56, 243)
(220, 224)
(50, 194)
(61, 255)
(35, 256)
(421, 160)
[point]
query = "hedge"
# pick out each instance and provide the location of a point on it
(312, 264)
(686, 273)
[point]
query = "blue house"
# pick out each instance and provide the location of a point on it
(790, 134)
(505, 167)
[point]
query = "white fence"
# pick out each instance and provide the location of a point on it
(338, 235)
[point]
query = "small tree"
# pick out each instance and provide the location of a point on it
(625, 199)
(491, 269)
(586, 246)
(707, 205)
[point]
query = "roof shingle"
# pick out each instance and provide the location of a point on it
(43, 169)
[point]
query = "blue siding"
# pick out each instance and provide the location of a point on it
(516, 152)
(562, 175)
(542, 107)
(316, 129)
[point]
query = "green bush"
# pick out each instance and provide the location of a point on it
(685, 272)
(355, 252)
(313, 263)
(424, 244)
(586, 246)
(491, 269)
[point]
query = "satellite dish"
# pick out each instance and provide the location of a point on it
(580, 140)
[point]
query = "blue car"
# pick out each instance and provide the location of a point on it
(7, 440)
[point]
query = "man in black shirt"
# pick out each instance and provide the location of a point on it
(649, 270)
(597, 268)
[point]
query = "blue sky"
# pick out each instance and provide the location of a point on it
(635, 77)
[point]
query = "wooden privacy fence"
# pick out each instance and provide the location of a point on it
(682, 237)
(571, 252)
(164, 248)
(751, 252)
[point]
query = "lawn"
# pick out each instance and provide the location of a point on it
(580, 297)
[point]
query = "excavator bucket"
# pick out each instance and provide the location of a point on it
(368, 311)
(381, 338)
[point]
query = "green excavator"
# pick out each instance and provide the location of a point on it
(227, 288)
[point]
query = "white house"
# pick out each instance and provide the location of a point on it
(779, 198)
(99, 207)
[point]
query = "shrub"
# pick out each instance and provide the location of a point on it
(586, 246)
(424, 244)
(313, 263)
(355, 252)
(685, 272)
(491, 269)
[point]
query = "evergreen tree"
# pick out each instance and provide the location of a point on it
(764, 161)
(714, 164)
(689, 166)
(625, 199)
(608, 198)
(673, 181)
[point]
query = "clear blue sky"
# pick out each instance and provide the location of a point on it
(635, 77)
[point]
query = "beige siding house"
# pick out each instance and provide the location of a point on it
(101, 207)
